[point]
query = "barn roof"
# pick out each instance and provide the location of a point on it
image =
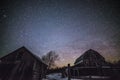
(24, 49)
(90, 53)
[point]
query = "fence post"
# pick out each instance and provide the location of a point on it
(69, 76)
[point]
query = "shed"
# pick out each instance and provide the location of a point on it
(22, 64)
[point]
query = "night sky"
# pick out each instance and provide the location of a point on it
(68, 27)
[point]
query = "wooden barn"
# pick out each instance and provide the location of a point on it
(22, 65)
(90, 63)
(91, 58)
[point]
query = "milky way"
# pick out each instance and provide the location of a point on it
(68, 27)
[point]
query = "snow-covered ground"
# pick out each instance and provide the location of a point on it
(57, 76)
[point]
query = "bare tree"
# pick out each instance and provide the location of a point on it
(50, 58)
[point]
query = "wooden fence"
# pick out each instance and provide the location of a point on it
(79, 72)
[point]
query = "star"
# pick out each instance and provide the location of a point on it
(4, 15)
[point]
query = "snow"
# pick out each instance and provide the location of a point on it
(56, 76)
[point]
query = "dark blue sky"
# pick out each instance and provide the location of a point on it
(69, 27)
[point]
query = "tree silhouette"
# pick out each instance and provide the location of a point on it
(50, 59)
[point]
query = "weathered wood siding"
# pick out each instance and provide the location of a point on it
(21, 65)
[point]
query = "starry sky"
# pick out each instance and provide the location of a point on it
(68, 27)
